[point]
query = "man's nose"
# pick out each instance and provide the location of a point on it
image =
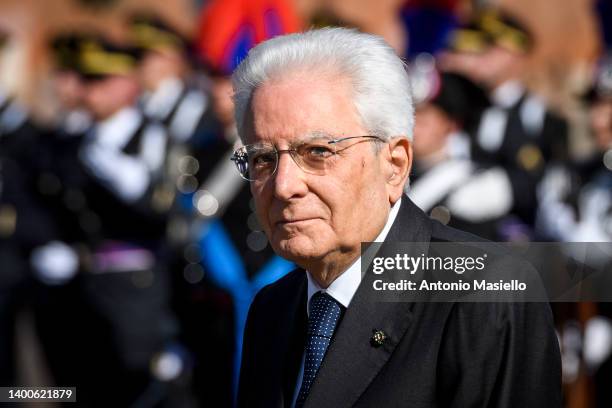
(289, 179)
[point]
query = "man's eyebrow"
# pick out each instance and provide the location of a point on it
(316, 134)
(306, 138)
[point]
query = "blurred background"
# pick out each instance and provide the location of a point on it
(129, 250)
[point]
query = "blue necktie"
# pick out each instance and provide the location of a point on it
(325, 312)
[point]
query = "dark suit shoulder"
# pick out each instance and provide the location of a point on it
(444, 233)
(503, 263)
(279, 294)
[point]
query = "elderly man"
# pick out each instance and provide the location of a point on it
(326, 121)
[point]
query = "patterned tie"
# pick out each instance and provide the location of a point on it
(325, 312)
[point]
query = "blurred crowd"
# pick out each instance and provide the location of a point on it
(128, 241)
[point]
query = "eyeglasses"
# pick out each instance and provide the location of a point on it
(257, 162)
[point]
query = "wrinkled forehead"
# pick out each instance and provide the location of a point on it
(300, 107)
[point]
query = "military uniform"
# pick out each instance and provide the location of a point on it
(576, 196)
(518, 133)
(109, 328)
(576, 201)
(449, 185)
(182, 104)
(522, 136)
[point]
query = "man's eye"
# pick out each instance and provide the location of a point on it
(261, 160)
(317, 152)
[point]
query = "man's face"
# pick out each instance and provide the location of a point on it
(107, 95)
(157, 66)
(313, 219)
(490, 68)
(69, 89)
(222, 100)
(601, 122)
(431, 130)
(498, 65)
(466, 63)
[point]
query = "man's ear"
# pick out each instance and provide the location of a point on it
(400, 163)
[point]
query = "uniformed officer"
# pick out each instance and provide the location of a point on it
(576, 199)
(72, 119)
(179, 96)
(126, 343)
(445, 182)
(56, 262)
(518, 132)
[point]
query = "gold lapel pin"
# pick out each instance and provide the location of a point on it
(378, 338)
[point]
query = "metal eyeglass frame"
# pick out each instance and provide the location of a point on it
(240, 156)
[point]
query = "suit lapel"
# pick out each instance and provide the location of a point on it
(352, 362)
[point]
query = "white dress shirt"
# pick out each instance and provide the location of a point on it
(343, 288)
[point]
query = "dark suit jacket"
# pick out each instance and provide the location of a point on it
(436, 355)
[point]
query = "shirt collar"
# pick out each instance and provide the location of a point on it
(508, 94)
(159, 103)
(115, 132)
(344, 287)
(76, 122)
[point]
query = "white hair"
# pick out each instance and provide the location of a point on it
(380, 83)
